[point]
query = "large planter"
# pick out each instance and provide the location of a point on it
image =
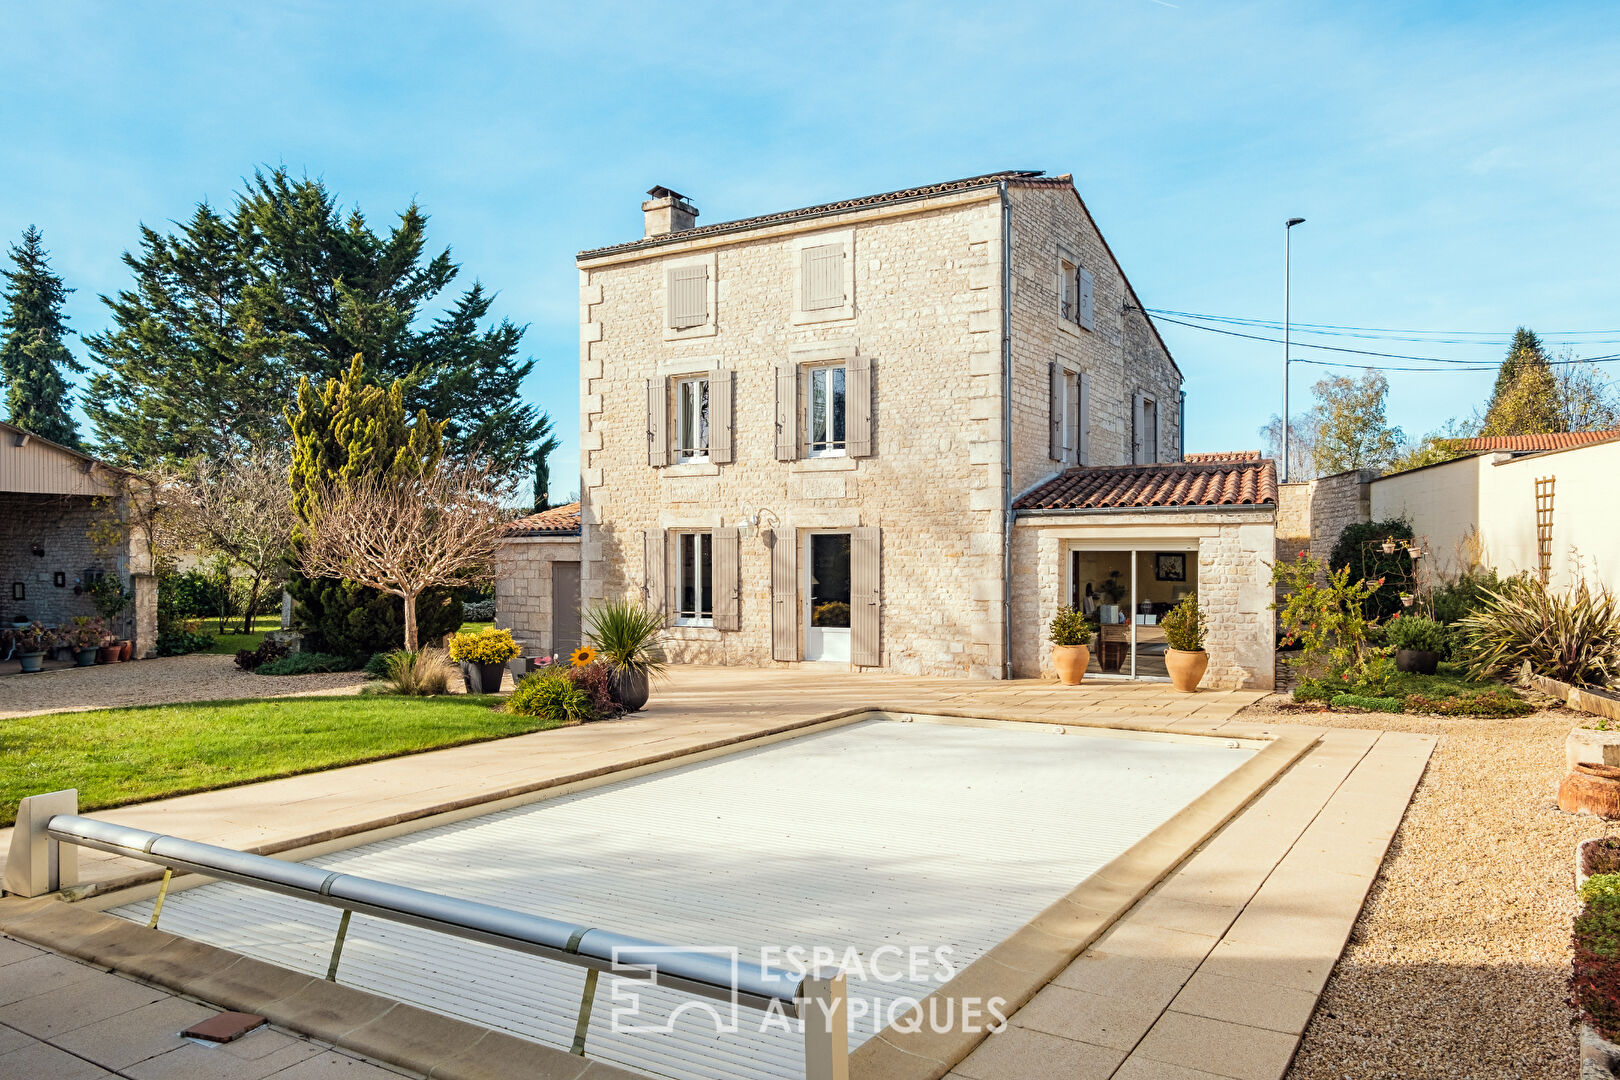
(30, 661)
(630, 688)
(482, 678)
(126, 650)
(85, 657)
(1591, 789)
(1186, 668)
(1416, 661)
(1070, 662)
(109, 654)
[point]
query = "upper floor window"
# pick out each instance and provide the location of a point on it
(825, 410)
(692, 419)
(822, 277)
(1144, 430)
(694, 579)
(688, 296)
(1068, 405)
(1076, 288)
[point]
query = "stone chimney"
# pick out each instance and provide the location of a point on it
(667, 212)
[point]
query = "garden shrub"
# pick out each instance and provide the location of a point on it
(1184, 625)
(1501, 703)
(307, 663)
(254, 659)
(1601, 887)
(1595, 980)
(1369, 563)
(593, 680)
(1572, 636)
(487, 646)
(1069, 627)
(354, 621)
(1309, 689)
(1367, 702)
(1601, 856)
(1416, 633)
(478, 610)
(1455, 600)
(1321, 610)
(419, 673)
(182, 642)
(551, 695)
(377, 666)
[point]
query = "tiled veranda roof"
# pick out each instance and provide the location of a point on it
(1233, 455)
(1561, 440)
(1189, 483)
(558, 521)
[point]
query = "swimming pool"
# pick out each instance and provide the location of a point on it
(874, 840)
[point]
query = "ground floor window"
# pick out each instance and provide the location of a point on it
(1128, 591)
(694, 583)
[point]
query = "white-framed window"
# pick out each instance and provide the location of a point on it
(1068, 290)
(692, 418)
(694, 579)
(1150, 431)
(1073, 406)
(824, 410)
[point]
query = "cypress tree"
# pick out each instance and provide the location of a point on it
(542, 471)
(348, 429)
(33, 354)
(1525, 399)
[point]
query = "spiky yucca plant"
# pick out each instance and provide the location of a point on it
(1573, 636)
(628, 635)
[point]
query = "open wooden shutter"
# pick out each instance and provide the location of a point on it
(721, 384)
(1054, 407)
(1085, 419)
(821, 274)
(787, 412)
(858, 406)
(865, 597)
(1087, 299)
(688, 296)
(653, 568)
(785, 596)
(727, 580)
(1136, 429)
(658, 421)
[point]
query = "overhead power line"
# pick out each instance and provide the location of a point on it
(1373, 331)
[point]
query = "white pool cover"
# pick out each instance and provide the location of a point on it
(924, 835)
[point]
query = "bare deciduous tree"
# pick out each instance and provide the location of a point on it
(437, 529)
(240, 508)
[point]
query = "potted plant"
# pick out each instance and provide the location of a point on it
(1070, 633)
(1185, 658)
(31, 641)
(1113, 591)
(1419, 643)
(107, 592)
(627, 636)
(85, 635)
(483, 658)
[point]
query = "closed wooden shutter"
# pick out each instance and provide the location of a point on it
(787, 412)
(822, 277)
(721, 384)
(1054, 407)
(658, 422)
(785, 597)
(1087, 299)
(858, 406)
(865, 597)
(688, 296)
(653, 566)
(727, 580)
(1136, 429)
(1085, 419)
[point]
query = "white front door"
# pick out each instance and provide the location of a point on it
(827, 596)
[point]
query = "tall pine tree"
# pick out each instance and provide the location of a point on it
(226, 315)
(1525, 399)
(33, 353)
(348, 430)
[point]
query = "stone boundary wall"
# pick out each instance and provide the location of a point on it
(1311, 514)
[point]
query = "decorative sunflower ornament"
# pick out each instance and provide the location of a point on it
(583, 656)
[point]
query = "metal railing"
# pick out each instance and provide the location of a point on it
(38, 863)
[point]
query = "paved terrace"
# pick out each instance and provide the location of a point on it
(1213, 974)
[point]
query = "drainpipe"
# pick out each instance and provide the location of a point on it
(1006, 433)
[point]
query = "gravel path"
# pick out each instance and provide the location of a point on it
(1456, 967)
(202, 677)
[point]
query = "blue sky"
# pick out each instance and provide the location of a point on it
(1458, 164)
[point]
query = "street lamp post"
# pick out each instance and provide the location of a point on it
(1288, 232)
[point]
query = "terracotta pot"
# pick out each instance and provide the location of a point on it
(1071, 662)
(109, 654)
(1186, 668)
(1591, 789)
(126, 650)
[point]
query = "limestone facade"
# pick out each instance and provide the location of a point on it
(523, 588)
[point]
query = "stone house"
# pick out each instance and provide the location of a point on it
(52, 498)
(537, 581)
(898, 432)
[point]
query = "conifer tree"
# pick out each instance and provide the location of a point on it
(33, 353)
(1525, 399)
(542, 471)
(349, 430)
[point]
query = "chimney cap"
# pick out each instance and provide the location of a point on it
(659, 191)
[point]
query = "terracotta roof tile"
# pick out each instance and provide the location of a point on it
(1528, 443)
(1190, 483)
(1234, 455)
(1021, 177)
(558, 521)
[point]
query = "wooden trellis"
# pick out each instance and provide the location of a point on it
(1544, 525)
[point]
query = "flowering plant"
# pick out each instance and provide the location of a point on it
(488, 646)
(32, 637)
(86, 632)
(1321, 610)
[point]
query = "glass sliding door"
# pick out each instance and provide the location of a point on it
(1128, 590)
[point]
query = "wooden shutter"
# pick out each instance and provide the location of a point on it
(653, 566)
(1085, 419)
(785, 596)
(658, 422)
(1054, 407)
(821, 275)
(1136, 429)
(858, 406)
(688, 296)
(1087, 299)
(865, 597)
(727, 580)
(721, 384)
(787, 412)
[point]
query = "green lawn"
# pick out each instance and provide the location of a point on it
(118, 756)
